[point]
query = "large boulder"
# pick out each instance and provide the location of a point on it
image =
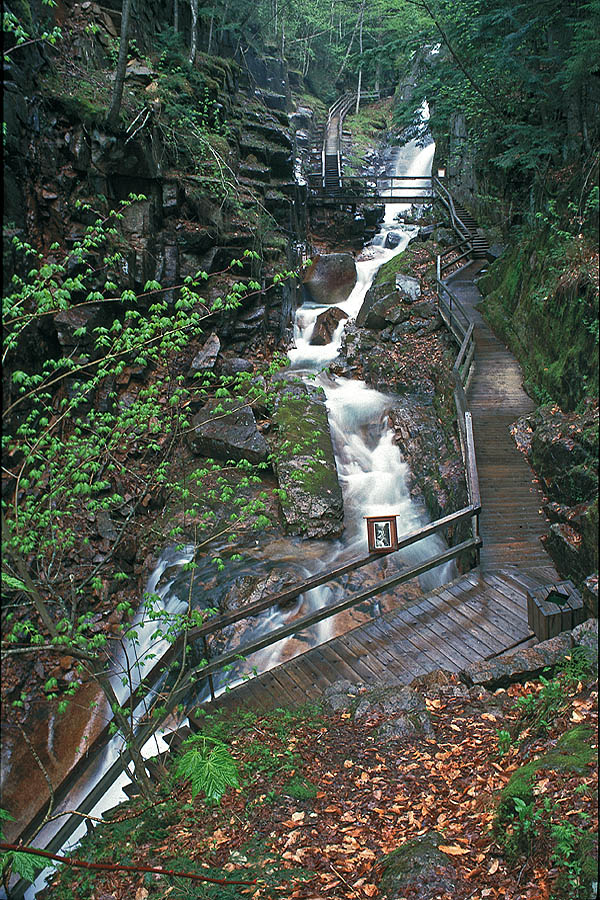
(326, 325)
(331, 278)
(311, 500)
(225, 429)
(386, 305)
(244, 591)
(392, 239)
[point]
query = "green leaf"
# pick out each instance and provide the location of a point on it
(209, 769)
(14, 583)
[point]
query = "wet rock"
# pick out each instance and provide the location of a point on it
(408, 287)
(271, 100)
(311, 504)
(341, 695)
(403, 708)
(519, 666)
(382, 307)
(139, 72)
(171, 199)
(242, 592)
(104, 525)
(445, 237)
(590, 595)
(420, 868)
(425, 232)
(303, 118)
(373, 214)
(331, 278)
(224, 430)
(207, 356)
(392, 239)
(563, 450)
(68, 321)
(326, 324)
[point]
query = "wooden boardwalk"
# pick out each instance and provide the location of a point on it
(512, 521)
(476, 616)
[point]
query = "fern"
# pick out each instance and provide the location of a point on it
(209, 767)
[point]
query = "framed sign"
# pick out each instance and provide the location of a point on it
(382, 533)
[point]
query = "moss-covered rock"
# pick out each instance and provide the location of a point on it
(574, 750)
(418, 866)
(547, 313)
(310, 495)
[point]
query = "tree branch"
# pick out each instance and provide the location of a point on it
(115, 867)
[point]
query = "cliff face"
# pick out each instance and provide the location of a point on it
(210, 148)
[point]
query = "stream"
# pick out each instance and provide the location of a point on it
(372, 476)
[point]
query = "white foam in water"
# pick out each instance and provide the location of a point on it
(371, 472)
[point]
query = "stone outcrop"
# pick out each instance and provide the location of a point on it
(225, 429)
(311, 503)
(242, 592)
(207, 355)
(330, 278)
(532, 661)
(385, 304)
(562, 448)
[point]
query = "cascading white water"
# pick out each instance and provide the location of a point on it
(370, 470)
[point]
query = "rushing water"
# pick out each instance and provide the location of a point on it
(372, 476)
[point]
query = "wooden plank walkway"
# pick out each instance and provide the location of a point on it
(476, 616)
(512, 521)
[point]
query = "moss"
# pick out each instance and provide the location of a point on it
(300, 789)
(401, 264)
(573, 752)
(548, 320)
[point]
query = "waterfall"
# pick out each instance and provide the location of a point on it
(373, 480)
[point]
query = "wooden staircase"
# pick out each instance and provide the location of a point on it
(479, 243)
(331, 174)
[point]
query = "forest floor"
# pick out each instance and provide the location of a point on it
(324, 799)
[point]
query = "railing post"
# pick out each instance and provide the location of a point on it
(438, 270)
(210, 678)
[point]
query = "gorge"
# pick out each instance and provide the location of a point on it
(158, 442)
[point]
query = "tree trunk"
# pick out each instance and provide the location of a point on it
(175, 15)
(112, 119)
(210, 33)
(360, 44)
(194, 32)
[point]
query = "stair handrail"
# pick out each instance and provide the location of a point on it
(446, 197)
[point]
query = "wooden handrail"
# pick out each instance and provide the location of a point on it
(319, 615)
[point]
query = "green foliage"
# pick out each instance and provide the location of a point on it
(209, 766)
(300, 788)
(540, 291)
(504, 741)
(14, 861)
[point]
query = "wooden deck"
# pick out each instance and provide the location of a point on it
(512, 521)
(477, 616)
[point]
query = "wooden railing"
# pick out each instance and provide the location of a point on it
(443, 194)
(461, 328)
(395, 188)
